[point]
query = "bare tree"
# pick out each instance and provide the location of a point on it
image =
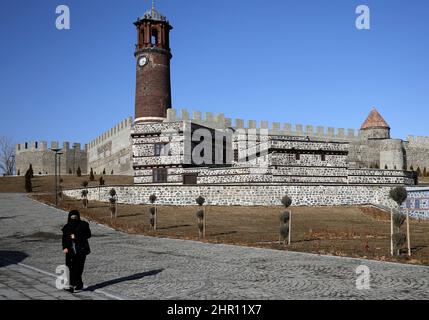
(7, 156)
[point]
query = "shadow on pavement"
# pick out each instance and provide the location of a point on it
(11, 257)
(123, 279)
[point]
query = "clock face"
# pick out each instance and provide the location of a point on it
(142, 61)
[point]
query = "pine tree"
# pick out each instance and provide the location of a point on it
(104, 171)
(91, 175)
(28, 184)
(31, 172)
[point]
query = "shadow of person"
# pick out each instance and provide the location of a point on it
(123, 279)
(11, 257)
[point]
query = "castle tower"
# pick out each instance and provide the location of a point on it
(375, 127)
(153, 55)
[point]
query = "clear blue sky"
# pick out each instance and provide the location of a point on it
(300, 61)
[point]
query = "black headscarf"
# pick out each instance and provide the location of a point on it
(72, 223)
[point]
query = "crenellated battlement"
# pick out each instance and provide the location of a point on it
(219, 121)
(418, 141)
(41, 146)
(121, 126)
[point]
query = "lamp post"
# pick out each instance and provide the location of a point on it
(59, 173)
(13, 165)
(74, 159)
(57, 152)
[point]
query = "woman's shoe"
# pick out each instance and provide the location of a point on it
(70, 289)
(80, 287)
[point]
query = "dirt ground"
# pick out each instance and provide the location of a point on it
(345, 231)
(424, 181)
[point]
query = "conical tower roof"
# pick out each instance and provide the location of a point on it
(375, 120)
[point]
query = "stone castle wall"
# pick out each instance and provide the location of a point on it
(417, 150)
(363, 153)
(42, 158)
(219, 121)
(112, 151)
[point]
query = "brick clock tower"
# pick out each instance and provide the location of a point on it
(153, 55)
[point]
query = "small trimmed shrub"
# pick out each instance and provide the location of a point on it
(153, 212)
(112, 193)
(31, 172)
(28, 184)
(200, 228)
(284, 232)
(284, 217)
(200, 214)
(286, 201)
(91, 175)
(152, 198)
(84, 195)
(399, 240)
(201, 217)
(102, 181)
(419, 172)
(79, 172)
(399, 195)
(285, 220)
(113, 203)
(398, 220)
(200, 200)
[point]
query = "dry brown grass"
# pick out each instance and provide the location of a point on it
(45, 184)
(424, 181)
(345, 231)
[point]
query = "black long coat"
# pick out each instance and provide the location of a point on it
(82, 233)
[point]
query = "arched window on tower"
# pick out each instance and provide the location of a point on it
(154, 37)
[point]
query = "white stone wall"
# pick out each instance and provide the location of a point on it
(248, 195)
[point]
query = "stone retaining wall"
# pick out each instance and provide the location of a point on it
(245, 195)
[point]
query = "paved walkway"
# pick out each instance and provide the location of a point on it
(139, 267)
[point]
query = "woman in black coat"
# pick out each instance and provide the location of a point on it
(76, 247)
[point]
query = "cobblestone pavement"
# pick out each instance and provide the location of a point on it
(140, 267)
